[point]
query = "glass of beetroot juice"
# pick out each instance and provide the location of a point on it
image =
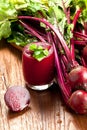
(38, 63)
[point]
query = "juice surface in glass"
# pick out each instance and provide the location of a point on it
(38, 72)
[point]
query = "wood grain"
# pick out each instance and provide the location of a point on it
(46, 111)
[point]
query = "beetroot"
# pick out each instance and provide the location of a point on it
(78, 101)
(17, 98)
(78, 78)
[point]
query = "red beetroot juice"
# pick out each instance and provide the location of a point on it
(38, 72)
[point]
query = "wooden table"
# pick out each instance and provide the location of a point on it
(47, 110)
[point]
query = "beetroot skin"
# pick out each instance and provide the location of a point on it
(17, 98)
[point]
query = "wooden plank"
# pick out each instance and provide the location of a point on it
(47, 110)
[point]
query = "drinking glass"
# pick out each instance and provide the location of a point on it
(38, 75)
